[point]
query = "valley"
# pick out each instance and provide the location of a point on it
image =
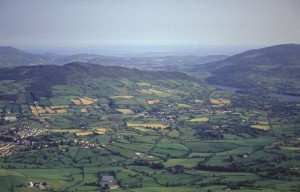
(149, 96)
(73, 125)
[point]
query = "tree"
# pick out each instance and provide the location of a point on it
(177, 169)
(157, 166)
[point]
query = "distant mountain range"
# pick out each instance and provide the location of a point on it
(270, 69)
(12, 57)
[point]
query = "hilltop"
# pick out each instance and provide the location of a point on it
(40, 79)
(10, 57)
(270, 69)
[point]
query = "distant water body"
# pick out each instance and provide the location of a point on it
(281, 97)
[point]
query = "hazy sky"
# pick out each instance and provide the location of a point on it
(128, 22)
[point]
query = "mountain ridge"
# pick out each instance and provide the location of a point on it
(11, 57)
(43, 77)
(271, 69)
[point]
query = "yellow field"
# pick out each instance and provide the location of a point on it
(260, 126)
(61, 111)
(151, 125)
(200, 119)
(263, 125)
(42, 111)
(183, 105)
(86, 133)
(84, 110)
(151, 102)
(121, 97)
(37, 110)
(150, 91)
(59, 107)
(49, 110)
(291, 148)
(76, 101)
(84, 101)
(198, 101)
(144, 84)
(219, 101)
(33, 110)
(101, 131)
(263, 122)
(38, 107)
(125, 111)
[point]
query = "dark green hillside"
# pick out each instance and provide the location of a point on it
(271, 69)
(43, 77)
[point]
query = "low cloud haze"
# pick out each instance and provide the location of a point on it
(94, 23)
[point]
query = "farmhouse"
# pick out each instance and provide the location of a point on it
(38, 184)
(244, 155)
(30, 184)
(107, 181)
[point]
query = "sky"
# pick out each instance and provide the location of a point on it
(83, 23)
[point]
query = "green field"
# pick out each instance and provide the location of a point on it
(184, 142)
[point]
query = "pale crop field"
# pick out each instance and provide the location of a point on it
(183, 105)
(49, 110)
(54, 107)
(291, 148)
(151, 125)
(144, 84)
(84, 101)
(76, 101)
(150, 91)
(86, 133)
(121, 97)
(125, 111)
(101, 131)
(61, 111)
(220, 101)
(261, 125)
(200, 119)
(84, 110)
(152, 102)
(34, 111)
